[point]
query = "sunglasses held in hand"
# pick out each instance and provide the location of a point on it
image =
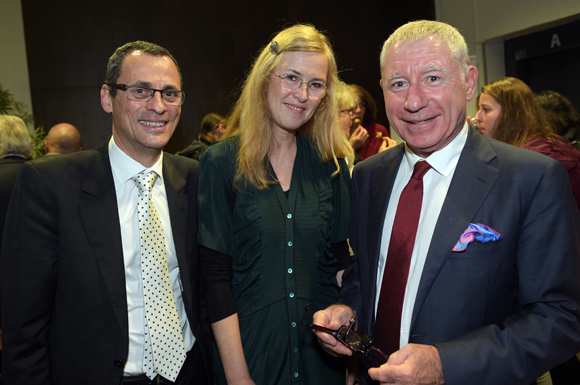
(360, 344)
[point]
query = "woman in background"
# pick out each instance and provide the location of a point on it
(346, 102)
(509, 113)
(212, 130)
(274, 216)
(367, 137)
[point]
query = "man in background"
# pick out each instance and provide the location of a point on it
(63, 138)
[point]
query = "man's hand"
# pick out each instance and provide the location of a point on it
(333, 317)
(414, 364)
(358, 137)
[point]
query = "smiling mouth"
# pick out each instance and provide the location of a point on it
(295, 108)
(152, 124)
(420, 121)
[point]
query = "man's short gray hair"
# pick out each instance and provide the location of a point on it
(416, 31)
(14, 136)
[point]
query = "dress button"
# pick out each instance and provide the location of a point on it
(289, 216)
(290, 243)
(119, 364)
(295, 374)
(295, 350)
(293, 324)
(291, 295)
(290, 270)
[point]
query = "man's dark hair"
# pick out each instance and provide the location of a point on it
(115, 61)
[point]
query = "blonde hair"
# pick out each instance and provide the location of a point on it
(250, 119)
(14, 136)
(345, 96)
(416, 31)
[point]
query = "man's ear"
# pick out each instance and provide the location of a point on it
(106, 101)
(471, 76)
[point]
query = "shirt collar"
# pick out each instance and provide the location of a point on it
(444, 160)
(124, 167)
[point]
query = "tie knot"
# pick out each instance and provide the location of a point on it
(145, 182)
(421, 168)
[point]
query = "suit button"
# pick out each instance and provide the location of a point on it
(119, 364)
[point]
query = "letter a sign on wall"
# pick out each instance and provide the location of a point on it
(555, 41)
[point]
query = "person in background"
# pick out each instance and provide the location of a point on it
(274, 207)
(100, 267)
(15, 146)
(367, 137)
(212, 130)
(466, 249)
(63, 138)
(561, 115)
(508, 112)
(346, 101)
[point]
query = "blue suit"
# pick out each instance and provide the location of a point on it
(502, 312)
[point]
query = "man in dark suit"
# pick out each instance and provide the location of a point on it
(14, 150)
(502, 308)
(75, 308)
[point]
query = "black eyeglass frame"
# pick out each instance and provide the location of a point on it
(362, 345)
(124, 87)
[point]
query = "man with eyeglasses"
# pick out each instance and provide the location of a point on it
(100, 277)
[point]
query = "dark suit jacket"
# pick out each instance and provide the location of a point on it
(501, 312)
(9, 167)
(63, 279)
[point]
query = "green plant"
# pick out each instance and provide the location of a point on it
(10, 106)
(38, 137)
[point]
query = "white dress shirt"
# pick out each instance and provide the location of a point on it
(124, 167)
(435, 186)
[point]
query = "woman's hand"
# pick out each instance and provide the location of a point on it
(358, 137)
(387, 143)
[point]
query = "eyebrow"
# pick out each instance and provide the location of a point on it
(300, 74)
(425, 71)
(150, 85)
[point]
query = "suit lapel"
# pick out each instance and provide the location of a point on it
(381, 185)
(177, 201)
(100, 219)
(472, 181)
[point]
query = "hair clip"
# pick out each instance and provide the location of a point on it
(274, 47)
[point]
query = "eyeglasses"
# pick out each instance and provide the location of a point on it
(315, 90)
(360, 344)
(144, 94)
(349, 112)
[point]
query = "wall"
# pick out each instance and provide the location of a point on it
(13, 65)
(486, 23)
(69, 42)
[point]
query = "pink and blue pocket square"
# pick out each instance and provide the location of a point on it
(476, 233)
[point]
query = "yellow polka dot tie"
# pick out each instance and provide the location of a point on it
(164, 351)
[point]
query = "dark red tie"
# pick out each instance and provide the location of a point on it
(388, 323)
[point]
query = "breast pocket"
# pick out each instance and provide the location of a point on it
(482, 250)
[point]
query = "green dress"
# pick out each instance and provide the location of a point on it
(280, 247)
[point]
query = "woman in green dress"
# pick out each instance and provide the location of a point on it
(274, 216)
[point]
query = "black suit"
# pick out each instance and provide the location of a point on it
(9, 168)
(63, 278)
(501, 312)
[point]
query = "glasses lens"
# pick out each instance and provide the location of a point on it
(290, 82)
(139, 93)
(376, 358)
(316, 89)
(172, 96)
